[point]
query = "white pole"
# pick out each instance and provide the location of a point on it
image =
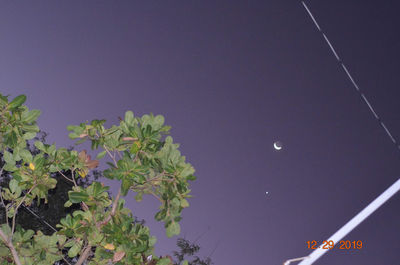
(342, 232)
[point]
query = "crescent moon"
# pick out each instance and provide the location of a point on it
(277, 147)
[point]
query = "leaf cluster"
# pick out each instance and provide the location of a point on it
(102, 230)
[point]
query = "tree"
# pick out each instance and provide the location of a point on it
(44, 217)
(101, 230)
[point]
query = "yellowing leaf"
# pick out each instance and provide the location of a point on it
(109, 246)
(184, 203)
(31, 166)
(83, 173)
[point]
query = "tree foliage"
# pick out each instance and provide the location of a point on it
(188, 249)
(98, 229)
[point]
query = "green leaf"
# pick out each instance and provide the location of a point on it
(13, 185)
(30, 128)
(191, 177)
(185, 262)
(4, 251)
(160, 215)
(73, 135)
(39, 145)
(139, 196)
(39, 161)
(159, 121)
(175, 203)
(78, 196)
(101, 155)
(16, 155)
(187, 170)
(74, 250)
(135, 147)
(3, 102)
(16, 102)
(67, 204)
(61, 239)
(8, 157)
(29, 135)
(173, 229)
(152, 241)
(184, 203)
(129, 118)
(42, 255)
(11, 168)
(12, 139)
(30, 116)
(165, 129)
(125, 185)
(52, 150)
(97, 189)
(27, 235)
(26, 155)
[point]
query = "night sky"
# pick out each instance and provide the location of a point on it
(232, 77)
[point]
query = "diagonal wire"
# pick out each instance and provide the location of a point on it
(361, 95)
(44, 221)
(351, 78)
(40, 218)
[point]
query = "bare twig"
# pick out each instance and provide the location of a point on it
(155, 195)
(113, 209)
(112, 156)
(66, 260)
(19, 204)
(67, 178)
(73, 178)
(4, 205)
(9, 244)
(84, 255)
(155, 178)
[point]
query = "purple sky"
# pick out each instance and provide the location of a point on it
(231, 78)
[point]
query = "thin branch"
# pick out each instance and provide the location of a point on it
(112, 156)
(66, 260)
(84, 206)
(153, 179)
(9, 244)
(155, 195)
(113, 209)
(19, 204)
(84, 255)
(5, 207)
(73, 178)
(67, 178)
(60, 253)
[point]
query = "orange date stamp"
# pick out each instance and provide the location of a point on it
(342, 244)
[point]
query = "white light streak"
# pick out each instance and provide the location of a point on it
(353, 223)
